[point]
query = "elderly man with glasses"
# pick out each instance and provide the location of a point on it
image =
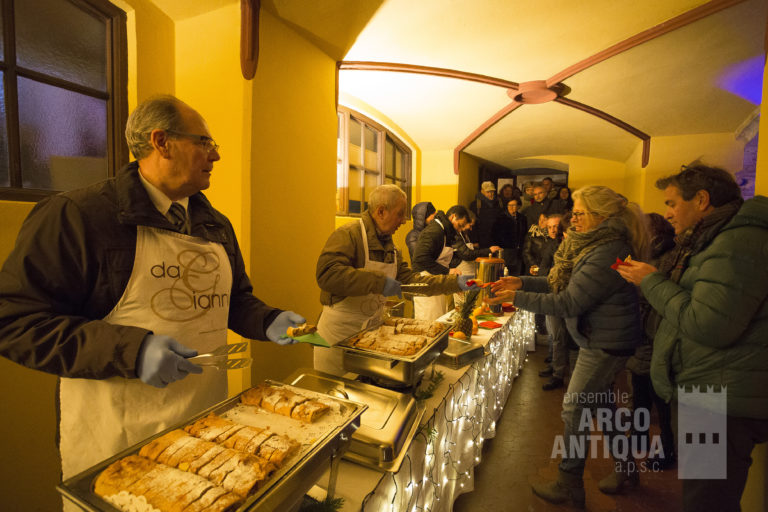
(114, 286)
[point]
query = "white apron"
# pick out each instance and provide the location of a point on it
(431, 308)
(350, 315)
(179, 287)
(467, 268)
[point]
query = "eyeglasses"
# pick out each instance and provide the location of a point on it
(204, 141)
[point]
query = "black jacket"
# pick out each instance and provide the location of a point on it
(548, 207)
(71, 263)
(548, 249)
(509, 232)
(464, 253)
(419, 214)
(487, 211)
(430, 244)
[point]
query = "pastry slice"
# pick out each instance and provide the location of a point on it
(309, 411)
(213, 428)
(301, 330)
(288, 401)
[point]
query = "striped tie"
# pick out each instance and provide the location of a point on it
(178, 217)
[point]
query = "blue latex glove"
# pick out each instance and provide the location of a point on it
(392, 287)
(462, 281)
(277, 329)
(162, 360)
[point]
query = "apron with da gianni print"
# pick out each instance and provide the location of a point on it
(431, 308)
(179, 287)
(350, 315)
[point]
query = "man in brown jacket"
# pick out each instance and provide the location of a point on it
(360, 266)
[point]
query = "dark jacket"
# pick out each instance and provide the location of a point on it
(509, 232)
(548, 207)
(715, 320)
(487, 211)
(600, 308)
(532, 249)
(71, 263)
(464, 253)
(419, 215)
(548, 255)
(430, 245)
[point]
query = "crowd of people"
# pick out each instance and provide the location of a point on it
(666, 301)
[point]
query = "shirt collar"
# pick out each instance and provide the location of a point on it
(161, 201)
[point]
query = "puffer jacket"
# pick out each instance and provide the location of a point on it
(600, 308)
(714, 329)
(419, 214)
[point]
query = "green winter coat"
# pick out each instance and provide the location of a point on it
(715, 321)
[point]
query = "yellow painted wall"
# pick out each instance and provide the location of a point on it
(293, 180)
(439, 185)
(583, 171)
(669, 153)
(28, 432)
(469, 177)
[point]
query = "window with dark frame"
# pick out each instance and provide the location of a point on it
(368, 155)
(63, 103)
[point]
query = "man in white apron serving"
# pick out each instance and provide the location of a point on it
(128, 278)
(359, 267)
(433, 254)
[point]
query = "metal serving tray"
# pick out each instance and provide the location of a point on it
(404, 370)
(460, 353)
(386, 427)
(284, 489)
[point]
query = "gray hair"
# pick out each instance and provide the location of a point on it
(156, 113)
(387, 196)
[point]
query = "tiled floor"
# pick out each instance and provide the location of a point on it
(519, 456)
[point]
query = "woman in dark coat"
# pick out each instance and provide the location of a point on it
(509, 234)
(602, 315)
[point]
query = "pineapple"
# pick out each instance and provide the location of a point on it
(463, 323)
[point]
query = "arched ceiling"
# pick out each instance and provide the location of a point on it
(661, 67)
(669, 84)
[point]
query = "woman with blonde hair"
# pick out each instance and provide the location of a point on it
(602, 315)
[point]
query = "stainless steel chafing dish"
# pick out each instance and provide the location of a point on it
(386, 428)
(460, 353)
(392, 369)
(284, 489)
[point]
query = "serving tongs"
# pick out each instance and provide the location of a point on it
(219, 357)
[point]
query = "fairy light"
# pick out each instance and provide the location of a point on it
(459, 425)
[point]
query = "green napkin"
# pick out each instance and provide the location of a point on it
(482, 318)
(313, 339)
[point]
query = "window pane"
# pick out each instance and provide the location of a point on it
(371, 182)
(389, 161)
(61, 40)
(355, 192)
(355, 129)
(63, 137)
(5, 175)
(371, 149)
(400, 164)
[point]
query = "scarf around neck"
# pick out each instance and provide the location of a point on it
(577, 245)
(693, 240)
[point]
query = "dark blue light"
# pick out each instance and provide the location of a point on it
(745, 79)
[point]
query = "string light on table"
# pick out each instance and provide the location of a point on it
(439, 464)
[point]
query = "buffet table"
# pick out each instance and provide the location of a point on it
(460, 415)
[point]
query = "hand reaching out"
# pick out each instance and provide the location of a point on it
(635, 271)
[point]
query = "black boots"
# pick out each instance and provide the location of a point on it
(553, 383)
